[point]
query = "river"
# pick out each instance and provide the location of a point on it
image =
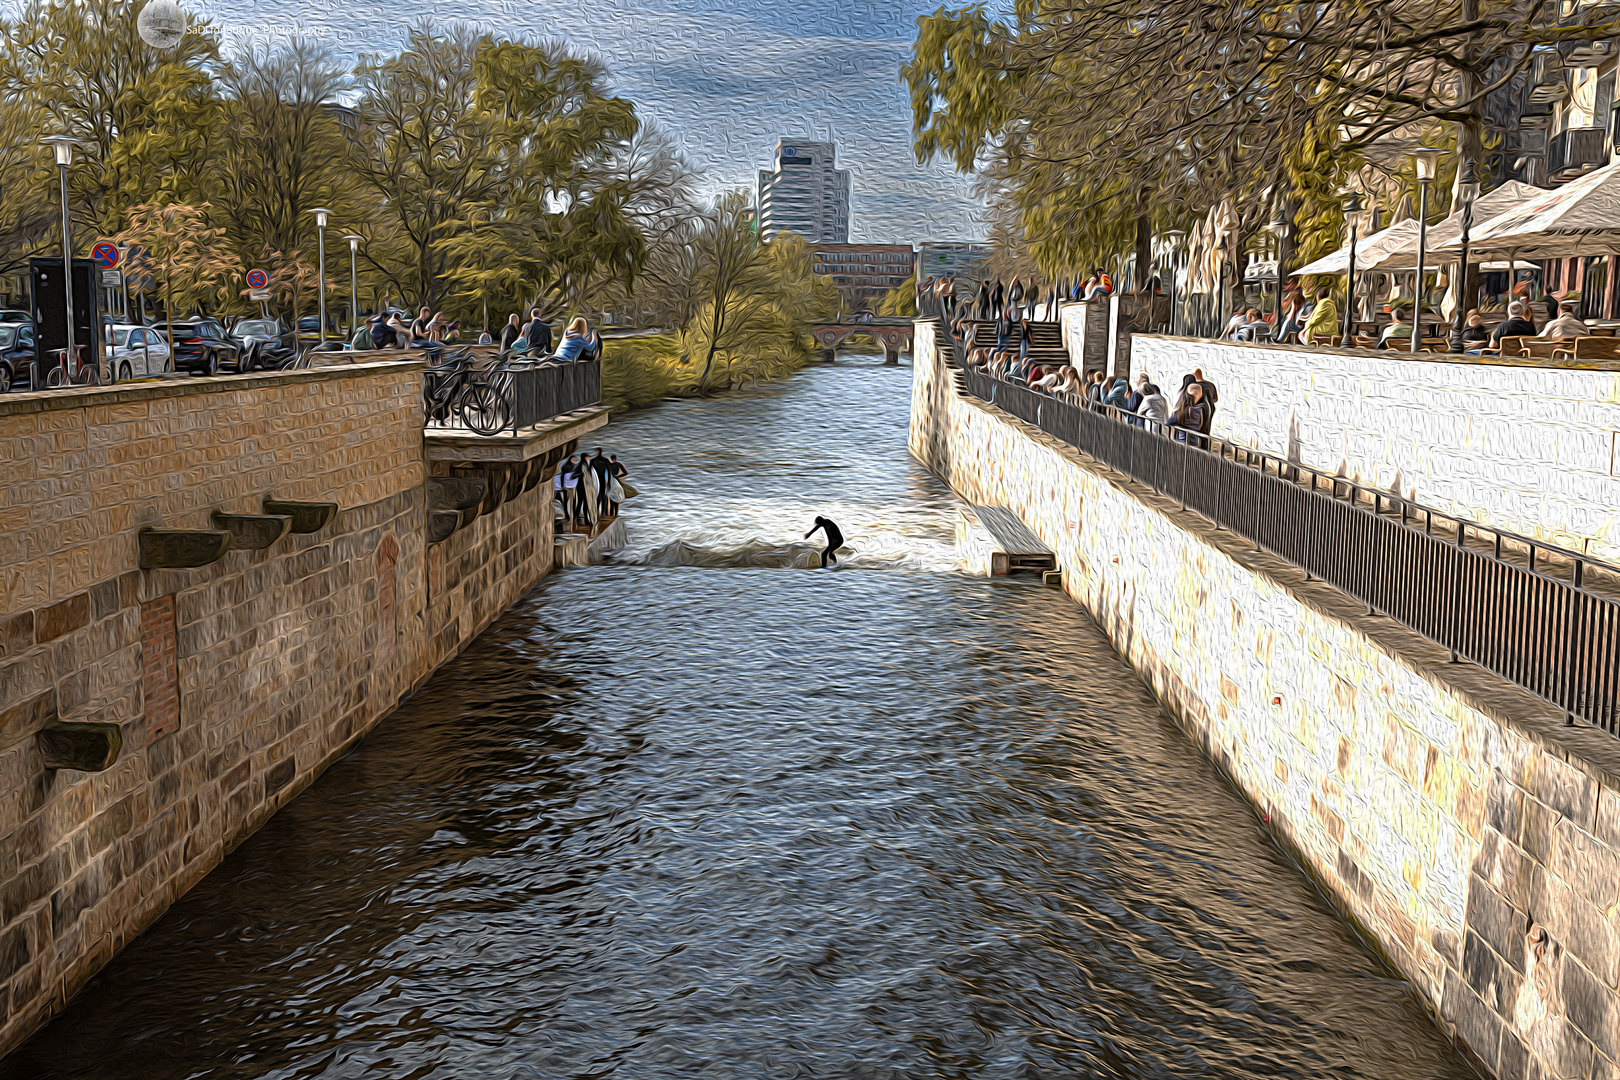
(702, 814)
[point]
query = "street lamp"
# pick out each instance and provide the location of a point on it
(320, 227)
(1278, 228)
(1467, 192)
(1426, 159)
(1175, 236)
(63, 145)
(354, 293)
(1352, 208)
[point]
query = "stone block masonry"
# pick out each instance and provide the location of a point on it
(233, 684)
(1472, 837)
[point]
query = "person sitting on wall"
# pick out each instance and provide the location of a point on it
(1567, 325)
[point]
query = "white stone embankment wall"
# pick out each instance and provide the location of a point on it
(1473, 838)
(1523, 448)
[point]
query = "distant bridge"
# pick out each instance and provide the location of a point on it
(890, 331)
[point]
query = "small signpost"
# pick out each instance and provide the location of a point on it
(258, 283)
(106, 255)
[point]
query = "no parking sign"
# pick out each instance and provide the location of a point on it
(105, 254)
(258, 279)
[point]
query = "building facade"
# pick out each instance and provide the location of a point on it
(865, 273)
(803, 193)
(950, 260)
(1558, 121)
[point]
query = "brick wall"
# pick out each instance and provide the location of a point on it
(234, 684)
(1472, 836)
(1527, 449)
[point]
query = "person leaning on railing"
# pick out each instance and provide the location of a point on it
(1154, 407)
(574, 342)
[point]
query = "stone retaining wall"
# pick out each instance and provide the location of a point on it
(1524, 448)
(233, 684)
(1473, 838)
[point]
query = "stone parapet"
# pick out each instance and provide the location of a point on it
(1472, 836)
(225, 689)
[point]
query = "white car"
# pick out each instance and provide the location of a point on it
(137, 352)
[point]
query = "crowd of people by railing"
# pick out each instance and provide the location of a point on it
(433, 332)
(1008, 359)
(1016, 300)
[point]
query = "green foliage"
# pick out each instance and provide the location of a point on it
(901, 301)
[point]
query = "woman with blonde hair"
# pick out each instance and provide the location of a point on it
(573, 341)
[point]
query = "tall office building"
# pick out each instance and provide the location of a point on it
(803, 193)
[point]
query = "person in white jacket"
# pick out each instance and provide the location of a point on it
(1154, 407)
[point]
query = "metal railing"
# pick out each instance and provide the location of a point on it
(508, 395)
(1517, 607)
(539, 394)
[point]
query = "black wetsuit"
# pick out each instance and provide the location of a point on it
(835, 539)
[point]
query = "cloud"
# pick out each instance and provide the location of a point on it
(725, 78)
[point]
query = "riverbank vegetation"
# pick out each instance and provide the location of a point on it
(740, 307)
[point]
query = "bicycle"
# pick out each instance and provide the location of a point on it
(60, 377)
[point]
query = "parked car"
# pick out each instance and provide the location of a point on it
(202, 347)
(248, 331)
(309, 324)
(136, 352)
(266, 344)
(11, 315)
(17, 352)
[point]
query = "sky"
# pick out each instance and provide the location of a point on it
(726, 78)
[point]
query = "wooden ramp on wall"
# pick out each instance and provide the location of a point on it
(992, 540)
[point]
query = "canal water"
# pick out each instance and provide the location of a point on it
(708, 815)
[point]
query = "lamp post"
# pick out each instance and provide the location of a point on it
(320, 227)
(63, 145)
(1352, 207)
(354, 292)
(1467, 192)
(1426, 158)
(1278, 227)
(1175, 236)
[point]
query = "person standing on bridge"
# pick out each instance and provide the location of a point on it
(835, 538)
(1015, 299)
(996, 299)
(984, 301)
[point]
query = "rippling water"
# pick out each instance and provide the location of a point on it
(748, 822)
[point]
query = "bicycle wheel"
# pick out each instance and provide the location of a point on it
(484, 410)
(57, 378)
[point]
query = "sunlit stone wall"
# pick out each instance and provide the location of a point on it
(1473, 837)
(233, 684)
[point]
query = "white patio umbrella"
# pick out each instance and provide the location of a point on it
(1444, 236)
(1369, 249)
(1580, 218)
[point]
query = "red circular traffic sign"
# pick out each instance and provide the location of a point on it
(258, 279)
(105, 254)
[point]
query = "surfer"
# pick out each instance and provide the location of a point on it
(835, 538)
